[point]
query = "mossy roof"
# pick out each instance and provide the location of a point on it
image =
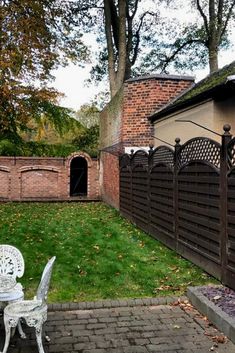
(209, 87)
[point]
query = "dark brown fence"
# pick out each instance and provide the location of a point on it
(185, 197)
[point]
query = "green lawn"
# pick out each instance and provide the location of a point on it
(99, 254)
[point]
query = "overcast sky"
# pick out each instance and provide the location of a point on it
(71, 80)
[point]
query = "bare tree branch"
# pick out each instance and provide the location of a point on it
(137, 35)
(169, 59)
(203, 16)
(135, 9)
(228, 17)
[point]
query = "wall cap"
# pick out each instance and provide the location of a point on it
(162, 77)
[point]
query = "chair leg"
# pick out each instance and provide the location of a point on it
(8, 323)
(39, 338)
(21, 332)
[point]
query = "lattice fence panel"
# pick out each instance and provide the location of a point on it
(199, 211)
(140, 196)
(231, 153)
(125, 192)
(162, 154)
(139, 158)
(231, 223)
(162, 202)
(199, 148)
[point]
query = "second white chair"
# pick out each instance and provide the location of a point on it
(34, 312)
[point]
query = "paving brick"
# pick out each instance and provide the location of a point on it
(134, 329)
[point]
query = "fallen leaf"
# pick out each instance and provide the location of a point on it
(219, 339)
(217, 297)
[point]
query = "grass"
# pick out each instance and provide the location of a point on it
(99, 254)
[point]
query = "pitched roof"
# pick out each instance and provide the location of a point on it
(209, 87)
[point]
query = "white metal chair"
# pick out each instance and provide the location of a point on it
(11, 267)
(34, 312)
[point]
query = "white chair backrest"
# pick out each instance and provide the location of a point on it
(45, 281)
(11, 261)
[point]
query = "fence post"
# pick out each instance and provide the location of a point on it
(131, 186)
(226, 137)
(175, 188)
(150, 164)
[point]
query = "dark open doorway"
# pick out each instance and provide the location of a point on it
(78, 177)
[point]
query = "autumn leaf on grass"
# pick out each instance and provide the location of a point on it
(163, 287)
(174, 269)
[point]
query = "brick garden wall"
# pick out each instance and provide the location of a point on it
(39, 178)
(124, 122)
(109, 174)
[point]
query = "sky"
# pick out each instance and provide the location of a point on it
(71, 80)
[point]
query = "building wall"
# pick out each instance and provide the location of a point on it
(210, 114)
(225, 114)
(124, 123)
(168, 129)
(37, 178)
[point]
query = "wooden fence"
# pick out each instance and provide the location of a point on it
(185, 197)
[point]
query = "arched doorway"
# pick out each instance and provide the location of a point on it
(78, 177)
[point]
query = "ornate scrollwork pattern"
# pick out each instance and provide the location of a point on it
(11, 261)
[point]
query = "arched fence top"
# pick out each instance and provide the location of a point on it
(200, 165)
(124, 160)
(140, 157)
(199, 149)
(162, 155)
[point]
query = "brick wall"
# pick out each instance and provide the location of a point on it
(109, 174)
(144, 96)
(36, 178)
(124, 122)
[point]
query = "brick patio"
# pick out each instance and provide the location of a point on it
(133, 326)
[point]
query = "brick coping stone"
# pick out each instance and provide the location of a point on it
(107, 303)
(215, 314)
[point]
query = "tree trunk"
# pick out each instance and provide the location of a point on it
(116, 59)
(213, 59)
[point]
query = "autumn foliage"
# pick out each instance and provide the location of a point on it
(35, 37)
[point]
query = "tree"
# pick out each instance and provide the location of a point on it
(216, 15)
(200, 41)
(88, 115)
(35, 37)
(121, 24)
(136, 39)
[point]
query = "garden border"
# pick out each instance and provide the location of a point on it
(217, 316)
